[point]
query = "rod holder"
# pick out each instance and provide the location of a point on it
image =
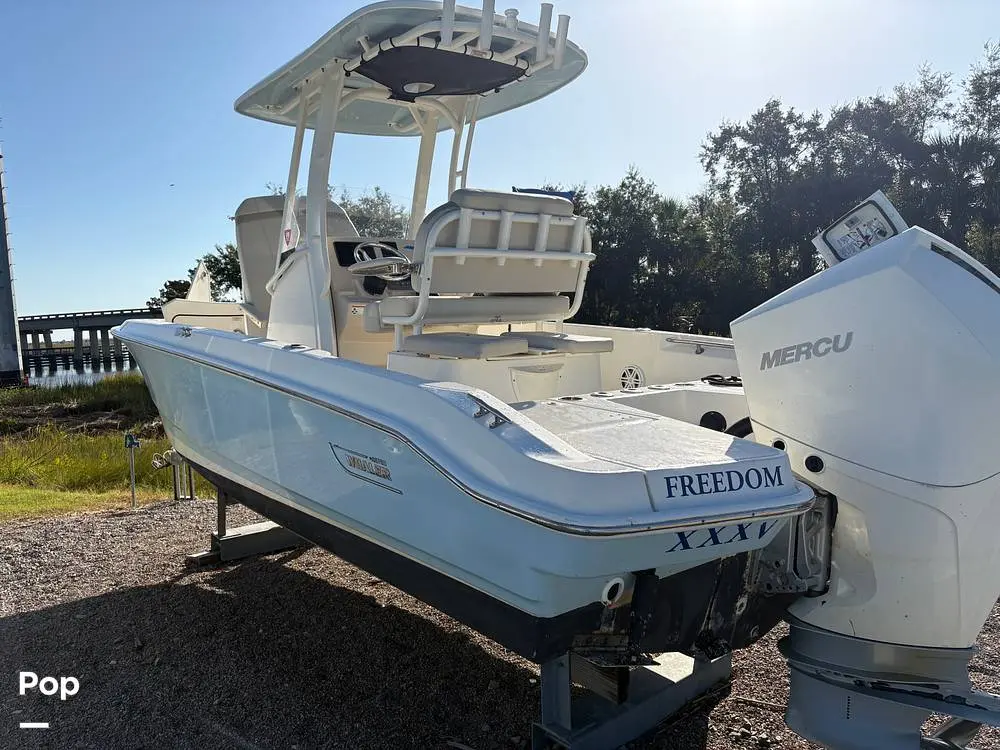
(544, 29)
(486, 26)
(562, 33)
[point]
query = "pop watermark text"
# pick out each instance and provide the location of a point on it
(64, 687)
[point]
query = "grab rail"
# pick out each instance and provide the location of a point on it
(283, 269)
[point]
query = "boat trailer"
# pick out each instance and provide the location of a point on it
(251, 540)
(589, 703)
(617, 703)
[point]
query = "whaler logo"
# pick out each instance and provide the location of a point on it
(370, 468)
(711, 482)
(806, 350)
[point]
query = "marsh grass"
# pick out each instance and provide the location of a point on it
(51, 470)
(50, 465)
(125, 394)
(53, 458)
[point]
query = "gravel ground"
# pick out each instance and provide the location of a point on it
(292, 651)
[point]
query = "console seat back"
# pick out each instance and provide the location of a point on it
(491, 257)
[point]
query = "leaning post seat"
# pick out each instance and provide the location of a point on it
(490, 257)
(465, 345)
(570, 343)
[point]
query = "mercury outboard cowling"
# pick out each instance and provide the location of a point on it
(881, 378)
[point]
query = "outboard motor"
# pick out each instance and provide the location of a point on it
(881, 378)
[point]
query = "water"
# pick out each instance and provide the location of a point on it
(53, 377)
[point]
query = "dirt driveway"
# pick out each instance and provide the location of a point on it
(289, 651)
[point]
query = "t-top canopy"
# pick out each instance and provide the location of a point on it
(401, 51)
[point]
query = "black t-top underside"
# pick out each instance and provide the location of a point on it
(410, 72)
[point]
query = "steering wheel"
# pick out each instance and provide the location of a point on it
(380, 260)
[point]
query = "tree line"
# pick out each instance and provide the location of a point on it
(772, 183)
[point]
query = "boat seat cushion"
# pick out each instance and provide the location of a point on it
(454, 309)
(565, 342)
(473, 220)
(522, 203)
(464, 345)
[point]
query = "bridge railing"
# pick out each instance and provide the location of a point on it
(145, 311)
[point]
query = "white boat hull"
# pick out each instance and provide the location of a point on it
(285, 441)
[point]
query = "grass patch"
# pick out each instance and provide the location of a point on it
(32, 502)
(51, 470)
(62, 448)
(57, 459)
(125, 394)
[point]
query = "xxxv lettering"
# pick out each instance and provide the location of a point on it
(682, 540)
(765, 527)
(741, 533)
(715, 536)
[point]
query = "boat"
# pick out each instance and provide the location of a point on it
(586, 496)
(438, 420)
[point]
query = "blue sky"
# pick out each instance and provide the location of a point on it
(125, 159)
